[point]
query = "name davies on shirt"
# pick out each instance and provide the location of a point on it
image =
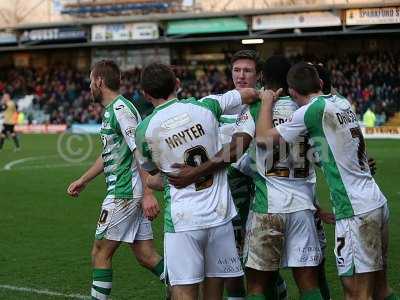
(346, 117)
(185, 136)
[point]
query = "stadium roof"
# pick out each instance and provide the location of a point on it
(191, 15)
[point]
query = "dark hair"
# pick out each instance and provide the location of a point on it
(275, 71)
(109, 72)
(325, 76)
(304, 79)
(248, 54)
(158, 80)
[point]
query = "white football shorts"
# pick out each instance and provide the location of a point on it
(190, 256)
(123, 220)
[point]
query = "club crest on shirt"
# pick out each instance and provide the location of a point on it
(105, 124)
(130, 131)
(242, 118)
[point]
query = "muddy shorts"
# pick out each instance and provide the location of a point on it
(281, 240)
(361, 242)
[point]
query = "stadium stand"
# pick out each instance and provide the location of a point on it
(119, 7)
(369, 80)
(61, 95)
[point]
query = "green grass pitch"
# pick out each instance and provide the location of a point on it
(46, 236)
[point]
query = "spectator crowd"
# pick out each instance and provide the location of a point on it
(62, 94)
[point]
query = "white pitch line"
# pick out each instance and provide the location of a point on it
(11, 165)
(8, 166)
(46, 167)
(42, 292)
(22, 160)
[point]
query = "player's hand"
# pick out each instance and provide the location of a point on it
(269, 96)
(150, 206)
(76, 187)
(248, 95)
(326, 217)
(372, 166)
(185, 176)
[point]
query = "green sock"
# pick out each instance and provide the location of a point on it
(255, 297)
(313, 294)
(324, 287)
(16, 141)
(277, 289)
(272, 293)
(322, 282)
(392, 296)
(158, 270)
(281, 288)
(102, 282)
(239, 294)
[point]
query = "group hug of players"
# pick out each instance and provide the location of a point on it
(252, 151)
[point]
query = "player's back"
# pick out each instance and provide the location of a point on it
(186, 132)
(178, 127)
(288, 161)
(335, 130)
(288, 174)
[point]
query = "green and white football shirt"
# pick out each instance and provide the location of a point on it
(336, 135)
(245, 164)
(120, 120)
(187, 132)
(241, 184)
(284, 181)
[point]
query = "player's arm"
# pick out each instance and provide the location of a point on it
(325, 216)
(155, 182)
(249, 95)
(230, 103)
(265, 133)
(245, 165)
(150, 205)
(147, 168)
(288, 131)
(241, 139)
(229, 153)
(78, 185)
(372, 165)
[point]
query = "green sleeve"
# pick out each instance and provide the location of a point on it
(254, 110)
(140, 139)
(209, 103)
